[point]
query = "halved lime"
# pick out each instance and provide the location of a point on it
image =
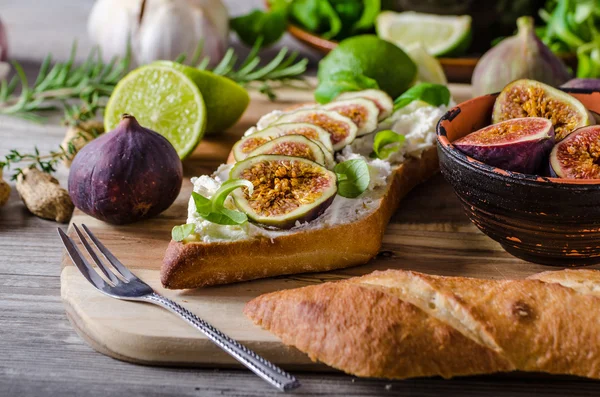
(225, 99)
(163, 100)
(429, 69)
(439, 34)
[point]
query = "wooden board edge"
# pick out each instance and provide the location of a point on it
(122, 349)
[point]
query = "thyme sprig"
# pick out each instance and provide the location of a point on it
(46, 162)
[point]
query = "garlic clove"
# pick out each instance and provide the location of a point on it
(112, 23)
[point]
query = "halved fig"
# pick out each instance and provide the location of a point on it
(382, 100)
(529, 98)
(518, 145)
(341, 129)
(286, 189)
(578, 155)
(363, 112)
(247, 144)
(293, 145)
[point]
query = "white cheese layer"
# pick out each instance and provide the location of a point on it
(416, 121)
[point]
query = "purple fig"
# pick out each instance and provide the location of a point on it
(583, 84)
(523, 56)
(286, 189)
(578, 155)
(129, 174)
(518, 145)
(529, 98)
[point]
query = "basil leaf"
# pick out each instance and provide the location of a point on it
(433, 94)
(387, 142)
(213, 209)
(340, 82)
(182, 231)
(352, 177)
(218, 199)
(269, 25)
(203, 204)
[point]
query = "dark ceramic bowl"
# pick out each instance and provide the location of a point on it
(551, 221)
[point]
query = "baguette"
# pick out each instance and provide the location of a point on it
(200, 264)
(400, 324)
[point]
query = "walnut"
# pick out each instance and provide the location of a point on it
(79, 136)
(43, 196)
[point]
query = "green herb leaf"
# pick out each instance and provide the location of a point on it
(213, 209)
(268, 26)
(340, 82)
(353, 177)
(218, 199)
(433, 94)
(387, 142)
(182, 231)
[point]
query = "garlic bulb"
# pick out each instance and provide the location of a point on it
(522, 56)
(159, 29)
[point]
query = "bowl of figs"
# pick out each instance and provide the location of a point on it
(525, 164)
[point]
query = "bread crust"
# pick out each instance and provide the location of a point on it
(395, 324)
(199, 264)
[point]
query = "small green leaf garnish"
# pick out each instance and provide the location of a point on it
(433, 94)
(213, 209)
(387, 142)
(352, 177)
(182, 231)
(340, 82)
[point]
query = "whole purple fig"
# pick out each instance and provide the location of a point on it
(522, 56)
(129, 174)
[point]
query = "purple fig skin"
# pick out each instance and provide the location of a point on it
(127, 175)
(523, 56)
(524, 154)
(584, 84)
(577, 156)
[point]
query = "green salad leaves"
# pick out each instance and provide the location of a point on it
(353, 177)
(330, 19)
(433, 94)
(213, 209)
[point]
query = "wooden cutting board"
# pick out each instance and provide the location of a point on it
(430, 233)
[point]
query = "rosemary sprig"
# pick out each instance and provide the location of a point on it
(282, 69)
(55, 85)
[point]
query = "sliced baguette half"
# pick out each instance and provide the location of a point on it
(201, 264)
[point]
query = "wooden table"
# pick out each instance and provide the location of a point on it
(41, 355)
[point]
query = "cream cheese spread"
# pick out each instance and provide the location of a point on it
(417, 122)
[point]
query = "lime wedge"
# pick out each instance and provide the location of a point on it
(429, 69)
(225, 99)
(163, 100)
(439, 34)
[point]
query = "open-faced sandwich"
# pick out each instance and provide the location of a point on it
(307, 189)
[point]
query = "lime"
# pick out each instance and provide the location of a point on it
(225, 99)
(429, 69)
(439, 34)
(373, 57)
(163, 100)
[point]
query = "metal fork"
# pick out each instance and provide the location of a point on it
(123, 284)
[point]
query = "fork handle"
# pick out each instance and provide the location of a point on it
(255, 363)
